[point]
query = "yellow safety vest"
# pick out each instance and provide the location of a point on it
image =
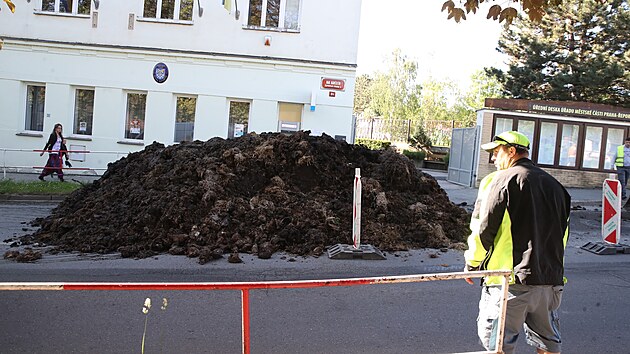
(619, 159)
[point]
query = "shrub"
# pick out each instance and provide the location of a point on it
(415, 155)
(374, 144)
(420, 139)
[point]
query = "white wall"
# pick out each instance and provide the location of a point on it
(210, 118)
(329, 29)
(64, 53)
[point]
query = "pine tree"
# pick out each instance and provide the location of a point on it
(578, 52)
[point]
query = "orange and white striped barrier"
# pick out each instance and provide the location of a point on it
(245, 287)
(611, 211)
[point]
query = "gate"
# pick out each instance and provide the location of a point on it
(463, 156)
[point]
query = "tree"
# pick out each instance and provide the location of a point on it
(435, 97)
(362, 94)
(578, 52)
(394, 93)
(535, 9)
(483, 85)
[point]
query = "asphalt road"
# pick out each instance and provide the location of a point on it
(436, 317)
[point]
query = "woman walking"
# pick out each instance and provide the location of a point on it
(55, 151)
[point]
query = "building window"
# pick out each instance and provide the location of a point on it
(239, 118)
(136, 108)
(503, 125)
(289, 117)
(276, 14)
(83, 111)
(185, 119)
(592, 147)
(81, 7)
(569, 144)
(547, 143)
(35, 98)
(168, 9)
(614, 138)
(528, 127)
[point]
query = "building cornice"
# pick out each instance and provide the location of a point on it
(138, 50)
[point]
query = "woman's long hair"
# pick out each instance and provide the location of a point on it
(54, 130)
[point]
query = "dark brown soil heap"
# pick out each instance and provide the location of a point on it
(255, 194)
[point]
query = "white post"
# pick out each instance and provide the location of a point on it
(4, 164)
(356, 214)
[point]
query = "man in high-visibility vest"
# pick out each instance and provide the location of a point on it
(521, 223)
(622, 164)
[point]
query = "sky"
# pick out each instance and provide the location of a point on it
(442, 48)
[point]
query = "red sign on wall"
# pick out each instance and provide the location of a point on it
(333, 84)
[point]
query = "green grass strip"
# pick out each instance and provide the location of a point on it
(8, 186)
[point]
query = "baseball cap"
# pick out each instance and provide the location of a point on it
(512, 138)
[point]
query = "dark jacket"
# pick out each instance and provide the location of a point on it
(52, 139)
(524, 225)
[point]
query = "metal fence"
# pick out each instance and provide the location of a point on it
(245, 287)
(76, 156)
(401, 130)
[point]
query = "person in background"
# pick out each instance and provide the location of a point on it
(622, 164)
(56, 148)
(520, 223)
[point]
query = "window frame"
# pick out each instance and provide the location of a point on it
(605, 140)
(581, 140)
(75, 125)
(26, 110)
(230, 123)
(558, 137)
(158, 13)
(177, 97)
(126, 116)
(602, 147)
(579, 145)
(281, 17)
(73, 12)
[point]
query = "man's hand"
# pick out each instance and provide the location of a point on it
(68, 163)
(468, 268)
(42, 154)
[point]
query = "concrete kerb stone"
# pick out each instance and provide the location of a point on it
(31, 197)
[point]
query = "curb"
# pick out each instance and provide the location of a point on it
(31, 197)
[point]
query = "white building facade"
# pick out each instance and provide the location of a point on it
(121, 74)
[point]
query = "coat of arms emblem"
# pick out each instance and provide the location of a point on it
(160, 72)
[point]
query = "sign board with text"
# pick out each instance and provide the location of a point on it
(333, 84)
